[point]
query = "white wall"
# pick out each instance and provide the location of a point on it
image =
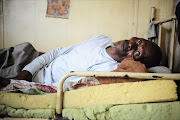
(1, 25)
(25, 20)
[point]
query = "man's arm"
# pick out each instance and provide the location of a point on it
(38, 63)
(45, 59)
(42, 60)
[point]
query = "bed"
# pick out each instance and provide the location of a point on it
(56, 106)
(100, 113)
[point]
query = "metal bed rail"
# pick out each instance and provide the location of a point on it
(152, 76)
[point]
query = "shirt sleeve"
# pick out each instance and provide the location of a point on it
(42, 60)
(46, 59)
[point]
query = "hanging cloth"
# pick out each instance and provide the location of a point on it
(152, 34)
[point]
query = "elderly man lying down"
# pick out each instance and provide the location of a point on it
(94, 54)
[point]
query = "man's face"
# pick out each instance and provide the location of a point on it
(135, 47)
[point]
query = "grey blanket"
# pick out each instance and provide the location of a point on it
(13, 59)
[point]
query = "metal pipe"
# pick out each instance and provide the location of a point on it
(165, 20)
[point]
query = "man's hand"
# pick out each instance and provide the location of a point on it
(24, 75)
(4, 82)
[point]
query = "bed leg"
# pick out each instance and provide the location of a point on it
(59, 117)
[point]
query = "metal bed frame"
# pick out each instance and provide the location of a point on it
(149, 76)
(153, 76)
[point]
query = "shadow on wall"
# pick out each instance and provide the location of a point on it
(176, 67)
(165, 47)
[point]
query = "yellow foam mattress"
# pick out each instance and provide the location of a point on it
(121, 93)
(18, 100)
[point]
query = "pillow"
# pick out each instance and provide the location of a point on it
(127, 65)
(159, 69)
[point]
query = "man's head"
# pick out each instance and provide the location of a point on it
(141, 50)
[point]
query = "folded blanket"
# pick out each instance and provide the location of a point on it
(45, 88)
(30, 91)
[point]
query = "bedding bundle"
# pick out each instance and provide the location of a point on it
(153, 99)
(119, 99)
(28, 101)
(96, 98)
(147, 100)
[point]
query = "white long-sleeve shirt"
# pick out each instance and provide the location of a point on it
(89, 55)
